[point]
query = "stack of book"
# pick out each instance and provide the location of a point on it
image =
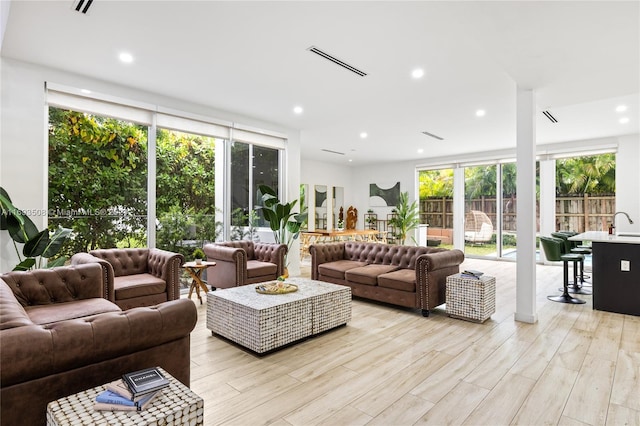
(471, 273)
(134, 392)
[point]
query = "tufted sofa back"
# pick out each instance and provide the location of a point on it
(247, 246)
(56, 285)
(125, 261)
(384, 254)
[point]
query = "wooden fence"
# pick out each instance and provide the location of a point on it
(577, 213)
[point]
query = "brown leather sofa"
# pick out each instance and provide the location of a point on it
(140, 276)
(244, 262)
(59, 335)
(414, 277)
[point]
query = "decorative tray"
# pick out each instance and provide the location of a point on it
(276, 287)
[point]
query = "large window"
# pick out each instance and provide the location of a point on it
(585, 192)
(149, 176)
(436, 206)
(97, 180)
(251, 166)
(480, 210)
(185, 192)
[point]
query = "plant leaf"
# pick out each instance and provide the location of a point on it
(25, 265)
(36, 246)
(56, 241)
(21, 228)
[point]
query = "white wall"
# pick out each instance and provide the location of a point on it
(23, 135)
(314, 173)
(403, 172)
(628, 182)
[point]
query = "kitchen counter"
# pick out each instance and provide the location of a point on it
(604, 237)
(616, 271)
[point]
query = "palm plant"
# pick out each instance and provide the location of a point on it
(283, 221)
(406, 217)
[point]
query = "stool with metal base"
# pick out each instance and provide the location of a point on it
(553, 251)
(568, 247)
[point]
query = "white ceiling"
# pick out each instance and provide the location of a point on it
(581, 58)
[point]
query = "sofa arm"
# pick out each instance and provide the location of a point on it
(58, 285)
(432, 270)
(107, 269)
(231, 266)
(439, 260)
(38, 351)
(323, 253)
(272, 253)
(166, 265)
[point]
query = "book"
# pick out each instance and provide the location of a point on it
(140, 405)
(145, 381)
(472, 272)
(118, 387)
(469, 276)
(109, 397)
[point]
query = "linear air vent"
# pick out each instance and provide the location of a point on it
(433, 136)
(549, 116)
(336, 61)
(332, 152)
(82, 6)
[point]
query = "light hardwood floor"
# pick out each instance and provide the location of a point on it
(391, 366)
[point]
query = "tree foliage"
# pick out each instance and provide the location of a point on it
(98, 183)
(586, 175)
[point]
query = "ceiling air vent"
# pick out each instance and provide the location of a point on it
(82, 6)
(336, 61)
(549, 116)
(332, 152)
(433, 136)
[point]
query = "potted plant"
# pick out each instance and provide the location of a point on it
(405, 217)
(38, 245)
(340, 225)
(283, 221)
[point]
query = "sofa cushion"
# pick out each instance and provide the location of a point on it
(256, 268)
(402, 279)
(368, 274)
(337, 268)
(129, 286)
(48, 314)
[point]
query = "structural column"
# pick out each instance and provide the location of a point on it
(526, 210)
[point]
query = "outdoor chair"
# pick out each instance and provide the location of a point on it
(478, 227)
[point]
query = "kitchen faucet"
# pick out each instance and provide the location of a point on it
(626, 214)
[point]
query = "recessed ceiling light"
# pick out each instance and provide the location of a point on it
(85, 91)
(125, 57)
(420, 150)
(480, 113)
(417, 73)
(621, 108)
(363, 135)
(350, 160)
(298, 110)
(624, 120)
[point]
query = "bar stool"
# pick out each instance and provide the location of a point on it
(553, 248)
(568, 248)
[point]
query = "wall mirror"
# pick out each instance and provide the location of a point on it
(321, 206)
(338, 202)
(304, 204)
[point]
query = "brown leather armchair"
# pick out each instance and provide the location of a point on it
(244, 262)
(140, 276)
